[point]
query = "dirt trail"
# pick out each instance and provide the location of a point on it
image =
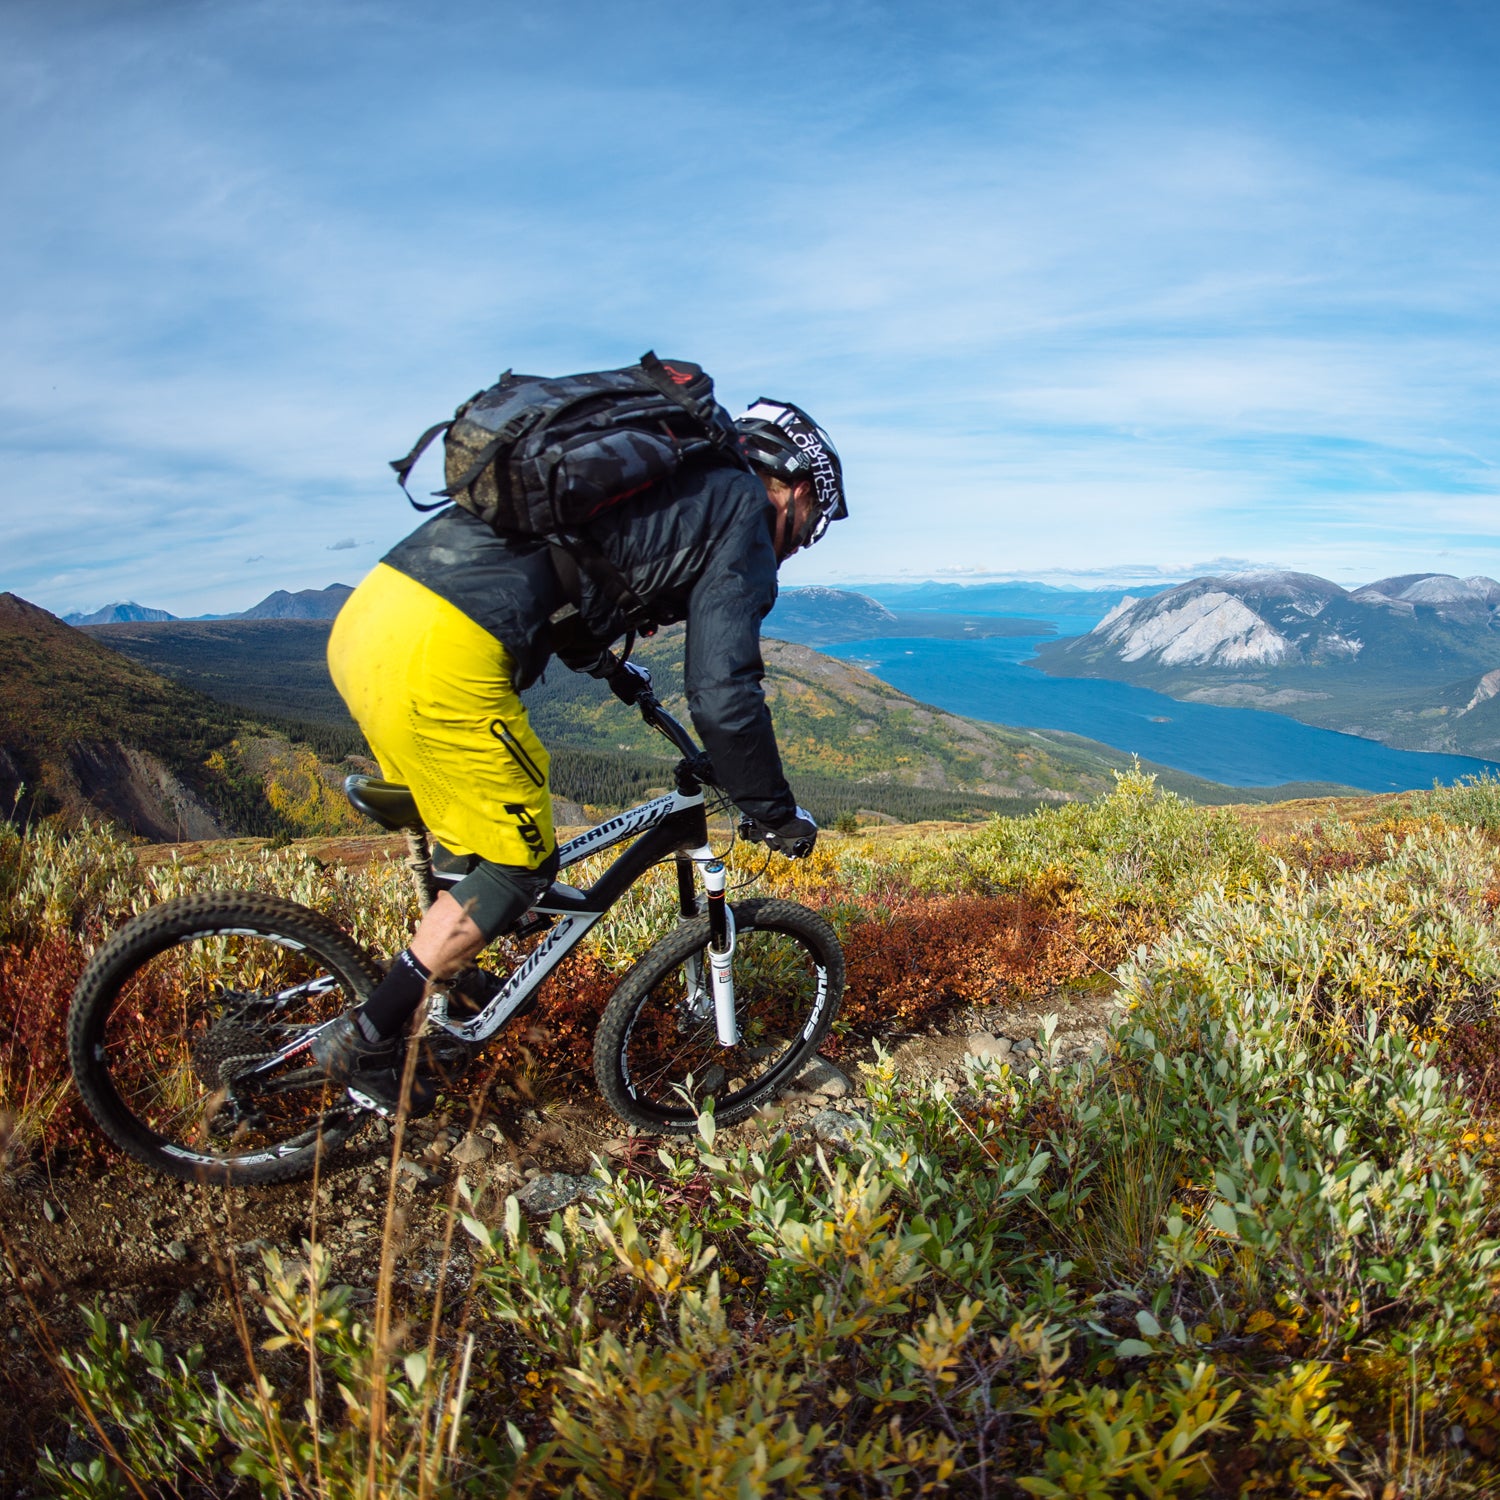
(146, 1247)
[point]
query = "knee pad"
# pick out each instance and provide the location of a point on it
(495, 896)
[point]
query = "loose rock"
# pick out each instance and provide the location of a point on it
(417, 1173)
(553, 1191)
(820, 1076)
(471, 1149)
(834, 1126)
(985, 1045)
(504, 1177)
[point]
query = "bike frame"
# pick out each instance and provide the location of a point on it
(673, 825)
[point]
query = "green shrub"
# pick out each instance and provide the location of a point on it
(1242, 1248)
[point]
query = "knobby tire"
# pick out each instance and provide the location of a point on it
(171, 1010)
(657, 1054)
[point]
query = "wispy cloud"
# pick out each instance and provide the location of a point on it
(1070, 284)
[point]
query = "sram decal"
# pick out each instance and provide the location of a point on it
(818, 1004)
(637, 820)
(267, 937)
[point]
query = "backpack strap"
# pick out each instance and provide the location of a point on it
(404, 466)
(658, 378)
(574, 555)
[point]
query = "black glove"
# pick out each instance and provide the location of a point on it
(794, 838)
(628, 681)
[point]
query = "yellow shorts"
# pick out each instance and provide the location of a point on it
(433, 694)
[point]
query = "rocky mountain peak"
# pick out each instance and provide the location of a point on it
(126, 613)
(1434, 590)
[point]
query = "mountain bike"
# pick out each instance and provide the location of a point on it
(190, 1028)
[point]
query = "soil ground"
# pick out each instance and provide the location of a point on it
(143, 1246)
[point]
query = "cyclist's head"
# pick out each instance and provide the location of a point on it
(785, 445)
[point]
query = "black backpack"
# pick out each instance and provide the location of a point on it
(542, 459)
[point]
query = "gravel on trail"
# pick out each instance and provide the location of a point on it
(144, 1247)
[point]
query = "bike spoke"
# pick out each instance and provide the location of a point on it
(667, 1042)
(185, 1027)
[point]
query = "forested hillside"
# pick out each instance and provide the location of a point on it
(88, 732)
(850, 742)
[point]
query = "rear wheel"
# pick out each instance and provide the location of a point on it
(657, 1053)
(177, 1015)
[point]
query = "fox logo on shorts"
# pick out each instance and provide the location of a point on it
(531, 834)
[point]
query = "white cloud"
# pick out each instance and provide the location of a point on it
(1067, 283)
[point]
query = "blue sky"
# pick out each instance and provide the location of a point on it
(1083, 287)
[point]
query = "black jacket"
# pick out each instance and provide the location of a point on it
(697, 547)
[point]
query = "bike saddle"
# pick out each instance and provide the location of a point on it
(388, 802)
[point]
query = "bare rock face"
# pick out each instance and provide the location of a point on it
(1209, 629)
(1486, 689)
(134, 788)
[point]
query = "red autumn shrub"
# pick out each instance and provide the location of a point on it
(932, 952)
(36, 984)
(1471, 1051)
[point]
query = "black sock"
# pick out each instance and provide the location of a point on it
(395, 997)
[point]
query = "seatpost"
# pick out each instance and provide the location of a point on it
(419, 865)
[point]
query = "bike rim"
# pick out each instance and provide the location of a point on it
(671, 1061)
(189, 1024)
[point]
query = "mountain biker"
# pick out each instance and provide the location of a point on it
(432, 648)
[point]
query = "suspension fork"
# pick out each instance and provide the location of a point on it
(720, 938)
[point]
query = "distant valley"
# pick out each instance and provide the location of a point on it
(198, 729)
(850, 741)
(1411, 661)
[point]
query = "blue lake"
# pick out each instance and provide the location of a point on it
(987, 679)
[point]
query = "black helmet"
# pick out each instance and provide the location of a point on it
(784, 441)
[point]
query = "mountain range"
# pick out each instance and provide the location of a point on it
(165, 725)
(88, 731)
(1412, 661)
(305, 604)
(812, 615)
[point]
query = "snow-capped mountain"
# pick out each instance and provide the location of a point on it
(1413, 661)
(1258, 620)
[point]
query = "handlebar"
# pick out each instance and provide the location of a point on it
(631, 684)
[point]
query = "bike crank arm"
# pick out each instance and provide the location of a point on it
(720, 950)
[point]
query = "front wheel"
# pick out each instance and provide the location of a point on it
(177, 1018)
(657, 1053)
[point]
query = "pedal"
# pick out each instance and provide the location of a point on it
(370, 1105)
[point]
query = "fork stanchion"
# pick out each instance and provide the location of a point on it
(720, 949)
